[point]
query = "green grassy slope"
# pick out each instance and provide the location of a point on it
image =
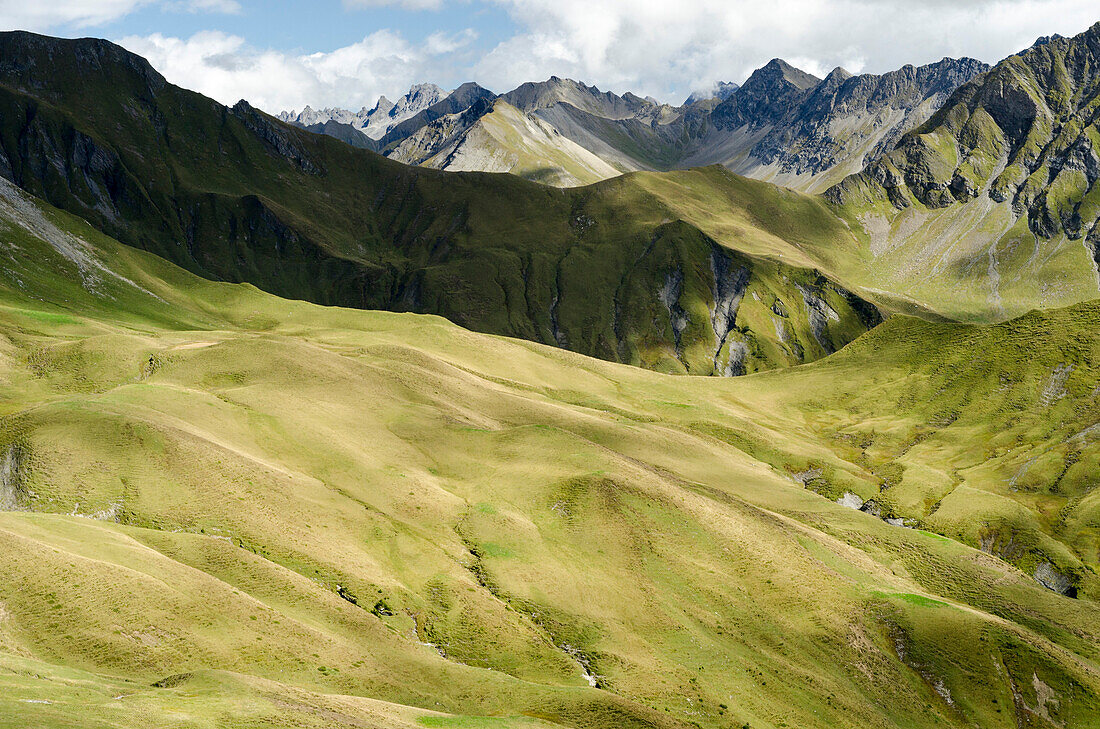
(222, 508)
(233, 194)
(986, 434)
(991, 207)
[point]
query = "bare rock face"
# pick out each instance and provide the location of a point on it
(1052, 579)
(767, 97)
(845, 114)
(1024, 134)
(12, 462)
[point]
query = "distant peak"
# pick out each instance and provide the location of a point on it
(777, 68)
(633, 98)
(469, 86)
(839, 73)
(1048, 39)
(721, 90)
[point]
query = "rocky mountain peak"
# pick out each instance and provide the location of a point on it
(720, 91)
(381, 107)
(768, 94)
(779, 70)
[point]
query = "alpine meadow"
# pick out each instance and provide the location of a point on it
(551, 408)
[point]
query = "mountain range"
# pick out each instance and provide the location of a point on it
(309, 429)
(782, 125)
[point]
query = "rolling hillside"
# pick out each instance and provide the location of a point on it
(225, 508)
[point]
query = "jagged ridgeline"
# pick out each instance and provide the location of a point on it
(784, 125)
(623, 270)
(999, 186)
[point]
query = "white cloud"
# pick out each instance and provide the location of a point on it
(226, 68)
(47, 15)
(229, 7)
(43, 15)
(668, 48)
(441, 43)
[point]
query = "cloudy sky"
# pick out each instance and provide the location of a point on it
(282, 54)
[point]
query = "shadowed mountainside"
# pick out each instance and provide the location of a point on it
(611, 270)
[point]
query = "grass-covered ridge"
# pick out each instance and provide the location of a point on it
(612, 270)
(225, 508)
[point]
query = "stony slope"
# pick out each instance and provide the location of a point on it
(230, 508)
(998, 186)
(783, 125)
(818, 133)
(615, 271)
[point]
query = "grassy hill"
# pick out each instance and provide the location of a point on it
(222, 508)
(611, 270)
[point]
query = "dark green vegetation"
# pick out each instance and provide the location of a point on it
(233, 194)
(221, 508)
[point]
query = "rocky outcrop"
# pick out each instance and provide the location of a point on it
(669, 295)
(276, 137)
(731, 281)
(1049, 577)
(13, 496)
(819, 313)
(1025, 135)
